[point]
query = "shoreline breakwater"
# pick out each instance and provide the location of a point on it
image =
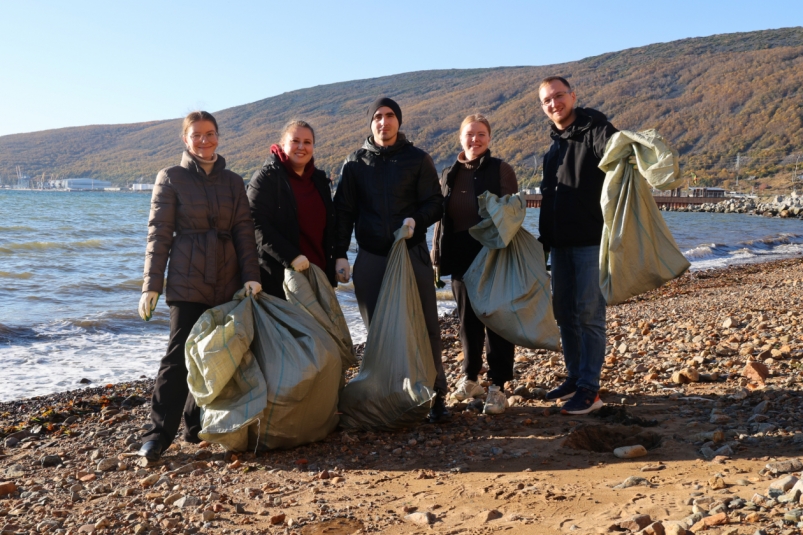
(783, 206)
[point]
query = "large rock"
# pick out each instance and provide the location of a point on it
(636, 523)
(107, 465)
(784, 467)
(7, 487)
(719, 519)
(756, 371)
(784, 484)
(422, 519)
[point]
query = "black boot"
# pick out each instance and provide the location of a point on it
(151, 450)
(438, 411)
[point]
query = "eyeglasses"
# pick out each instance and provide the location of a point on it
(211, 136)
(557, 96)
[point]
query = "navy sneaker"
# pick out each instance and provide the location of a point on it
(564, 391)
(583, 401)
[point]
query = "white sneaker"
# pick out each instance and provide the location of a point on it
(467, 389)
(496, 402)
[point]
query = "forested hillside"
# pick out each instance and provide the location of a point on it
(712, 97)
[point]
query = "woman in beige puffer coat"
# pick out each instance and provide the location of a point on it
(201, 222)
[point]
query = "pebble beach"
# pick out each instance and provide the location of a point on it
(703, 373)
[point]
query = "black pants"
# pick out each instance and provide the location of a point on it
(271, 284)
(171, 397)
(369, 269)
(473, 334)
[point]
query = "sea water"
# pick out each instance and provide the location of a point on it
(71, 276)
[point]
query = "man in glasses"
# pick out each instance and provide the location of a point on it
(570, 225)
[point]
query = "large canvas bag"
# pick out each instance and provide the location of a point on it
(638, 252)
(265, 374)
(310, 290)
(223, 374)
(301, 363)
(397, 373)
(507, 283)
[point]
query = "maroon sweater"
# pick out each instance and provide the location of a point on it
(311, 210)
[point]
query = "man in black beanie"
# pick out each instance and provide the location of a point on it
(386, 184)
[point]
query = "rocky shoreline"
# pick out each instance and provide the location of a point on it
(780, 206)
(706, 373)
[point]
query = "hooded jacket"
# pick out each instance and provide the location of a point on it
(379, 188)
(213, 251)
(275, 213)
(571, 215)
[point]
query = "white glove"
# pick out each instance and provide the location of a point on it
(410, 222)
(342, 269)
(147, 304)
(300, 263)
(252, 288)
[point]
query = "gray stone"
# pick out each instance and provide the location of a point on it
(187, 501)
(107, 465)
(761, 408)
(422, 519)
(50, 460)
(725, 451)
(785, 483)
(783, 467)
(632, 481)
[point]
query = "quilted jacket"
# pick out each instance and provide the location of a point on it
(202, 224)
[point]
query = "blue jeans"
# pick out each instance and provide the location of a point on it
(580, 312)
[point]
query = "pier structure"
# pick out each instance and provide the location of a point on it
(672, 202)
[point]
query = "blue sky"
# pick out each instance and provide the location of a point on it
(106, 62)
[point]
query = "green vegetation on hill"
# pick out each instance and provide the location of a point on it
(712, 97)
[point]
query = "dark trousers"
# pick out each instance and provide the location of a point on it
(271, 284)
(369, 269)
(474, 334)
(171, 398)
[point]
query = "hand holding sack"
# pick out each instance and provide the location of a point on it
(507, 284)
(638, 252)
(394, 387)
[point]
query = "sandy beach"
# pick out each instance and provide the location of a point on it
(705, 373)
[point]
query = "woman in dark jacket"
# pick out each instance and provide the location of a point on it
(291, 204)
(211, 255)
(453, 251)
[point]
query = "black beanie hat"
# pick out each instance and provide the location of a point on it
(384, 101)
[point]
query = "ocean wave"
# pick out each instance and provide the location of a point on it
(46, 245)
(781, 244)
(7, 275)
(16, 228)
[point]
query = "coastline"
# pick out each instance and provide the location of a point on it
(684, 365)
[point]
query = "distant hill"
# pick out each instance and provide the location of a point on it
(712, 97)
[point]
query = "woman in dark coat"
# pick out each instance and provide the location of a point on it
(291, 204)
(200, 221)
(453, 251)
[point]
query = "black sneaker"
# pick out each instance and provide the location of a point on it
(583, 402)
(438, 411)
(564, 391)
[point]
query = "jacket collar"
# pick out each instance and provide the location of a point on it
(191, 164)
(401, 142)
(584, 120)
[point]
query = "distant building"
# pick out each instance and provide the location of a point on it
(706, 192)
(142, 187)
(81, 184)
